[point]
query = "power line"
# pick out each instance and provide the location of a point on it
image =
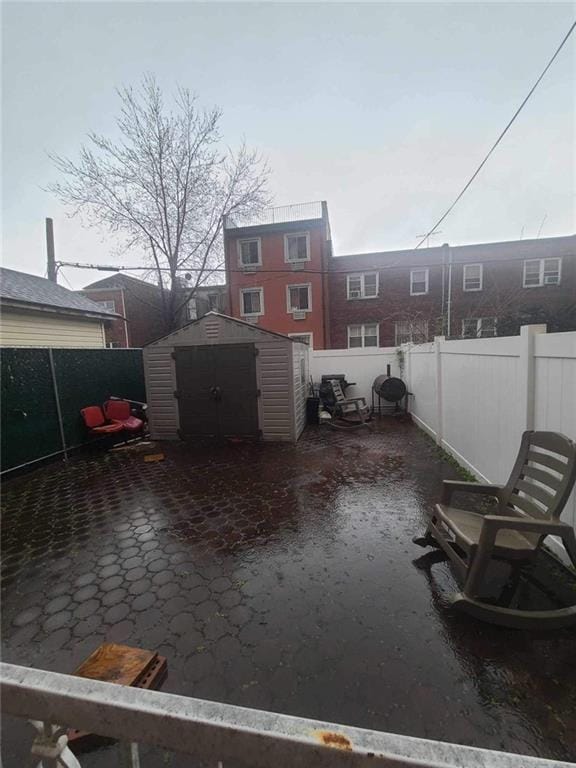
(260, 272)
(499, 139)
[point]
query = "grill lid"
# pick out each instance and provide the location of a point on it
(389, 388)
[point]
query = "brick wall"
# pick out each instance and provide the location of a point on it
(114, 330)
(140, 303)
(275, 275)
(502, 295)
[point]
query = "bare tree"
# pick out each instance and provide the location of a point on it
(512, 306)
(166, 185)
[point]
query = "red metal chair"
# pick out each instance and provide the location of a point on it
(96, 422)
(119, 410)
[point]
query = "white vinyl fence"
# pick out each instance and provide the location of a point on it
(360, 366)
(475, 397)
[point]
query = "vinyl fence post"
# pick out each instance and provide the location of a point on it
(439, 415)
(57, 400)
(527, 372)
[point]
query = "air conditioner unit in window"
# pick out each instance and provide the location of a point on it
(249, 269)
(298, 314)
(550, 279)
(355, 295)
(251, 320)
(297, 266)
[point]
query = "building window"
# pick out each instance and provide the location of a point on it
(250, 252)
(472, 277)
(252, 302)
(108, 305)
(299, 297)
(113, 344)
(411, 332)
(192, 308)
(364, 286)
(418, 282)
(362, 336)
(297, 247)
(478, 327)
(538, 272)
(304, 338)
(214, 301)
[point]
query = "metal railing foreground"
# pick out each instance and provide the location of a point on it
(215, 732)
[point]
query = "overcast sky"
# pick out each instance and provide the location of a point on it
(383, 110)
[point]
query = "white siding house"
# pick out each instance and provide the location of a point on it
(35, 312)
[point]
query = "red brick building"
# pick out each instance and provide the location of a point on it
(139, 303)
(277, 271)
(384, 299)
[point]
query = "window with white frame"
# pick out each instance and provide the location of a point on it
(411, 331)
(363, 286)
(250, 252)
(252, 302)
(299, 297)
(418, 282)
(363, 335)
(473, 277)
(538, 272)
(304, 338)
(214, 301)
(297, 247)
(478, 327)
(108, 305)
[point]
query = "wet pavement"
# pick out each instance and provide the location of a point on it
(278, 577)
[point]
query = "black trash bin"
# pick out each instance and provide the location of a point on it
(312, 406)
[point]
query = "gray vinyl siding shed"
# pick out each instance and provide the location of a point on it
(281, 371)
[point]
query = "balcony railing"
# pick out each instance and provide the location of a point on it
(215, 732)
(281, 215)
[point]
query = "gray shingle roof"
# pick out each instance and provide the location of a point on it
(22, 288)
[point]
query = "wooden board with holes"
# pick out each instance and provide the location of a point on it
(122, 665)
(114, 663)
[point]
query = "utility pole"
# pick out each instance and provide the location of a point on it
(52, 272)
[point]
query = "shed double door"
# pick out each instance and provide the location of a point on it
(216, 390)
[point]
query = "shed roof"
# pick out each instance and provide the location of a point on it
(226, 318)
(19, 289)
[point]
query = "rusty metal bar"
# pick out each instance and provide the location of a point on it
(221, 732)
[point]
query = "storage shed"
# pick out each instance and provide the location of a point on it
(221, 376)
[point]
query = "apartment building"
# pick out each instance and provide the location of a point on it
(208, 298)
(276, 270)
(388, 298)
(139, 303)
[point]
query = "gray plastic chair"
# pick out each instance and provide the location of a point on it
(354, 408)
(528, 510)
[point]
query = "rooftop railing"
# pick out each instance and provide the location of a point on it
(220, 734)
(281, 215)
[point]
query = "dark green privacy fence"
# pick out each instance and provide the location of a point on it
(36, 383)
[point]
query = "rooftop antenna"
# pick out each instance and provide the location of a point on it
(541, 225)
(429, 235)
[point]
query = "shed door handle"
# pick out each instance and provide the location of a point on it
(216, 393)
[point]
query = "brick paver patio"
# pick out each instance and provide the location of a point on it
(278, 577)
